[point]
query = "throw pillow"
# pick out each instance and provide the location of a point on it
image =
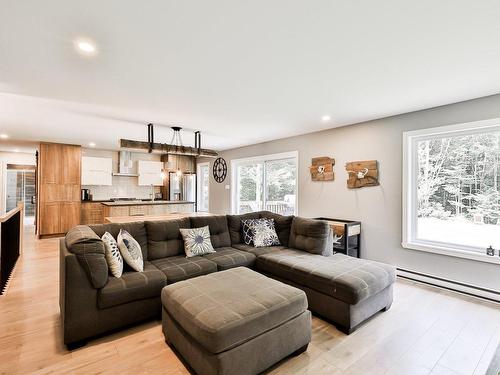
(113, 256)
(246, 227)
(131, 250)
(264, 233)
(197, 241)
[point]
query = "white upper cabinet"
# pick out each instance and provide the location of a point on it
(97, 171)
(150, 173)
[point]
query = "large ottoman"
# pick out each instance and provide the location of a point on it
(235, 321)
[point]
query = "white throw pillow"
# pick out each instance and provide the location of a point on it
(113, 256)
(131, 250)
(197, 241)
(264, 233)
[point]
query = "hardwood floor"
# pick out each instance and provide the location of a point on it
(427, 331)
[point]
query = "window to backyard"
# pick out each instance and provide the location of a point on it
(265, 183)
(451, 189)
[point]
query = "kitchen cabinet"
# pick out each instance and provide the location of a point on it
(150, 173)
(59, 186)
(146, 209)
(92, 213)
(97, 171)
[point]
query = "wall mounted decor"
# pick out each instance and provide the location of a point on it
(362, 174)
(220, 170)
(322, 169)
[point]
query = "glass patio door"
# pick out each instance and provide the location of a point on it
(250, 187)
(267, 184)
(280, 185)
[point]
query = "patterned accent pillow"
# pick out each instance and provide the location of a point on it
(113, 256)
(264, 233)
(246, 227)
(197, 241)
(131, 250)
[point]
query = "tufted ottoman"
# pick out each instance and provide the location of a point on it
(235, 321)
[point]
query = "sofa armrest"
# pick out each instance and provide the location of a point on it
(313, 236)
(89, 250)
(77, 297)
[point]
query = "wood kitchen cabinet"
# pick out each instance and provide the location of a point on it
(58, 188)
(92, 213)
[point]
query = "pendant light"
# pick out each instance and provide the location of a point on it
(177, 141)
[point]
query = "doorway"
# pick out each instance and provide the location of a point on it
(21, 187)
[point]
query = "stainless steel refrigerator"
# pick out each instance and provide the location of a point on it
(183, 187)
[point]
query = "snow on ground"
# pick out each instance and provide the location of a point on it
(460, 232)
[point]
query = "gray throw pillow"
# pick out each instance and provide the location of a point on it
(197, 241)
(264, 233)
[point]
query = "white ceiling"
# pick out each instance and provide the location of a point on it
(240, 71)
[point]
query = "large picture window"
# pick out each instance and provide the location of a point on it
(452, 190)
(265, 183)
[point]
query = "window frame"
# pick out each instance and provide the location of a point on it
(409, 193)
(198, 186)
(235, 163)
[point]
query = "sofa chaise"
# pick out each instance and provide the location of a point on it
(344, 290)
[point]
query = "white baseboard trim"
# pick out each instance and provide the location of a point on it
(471, 290)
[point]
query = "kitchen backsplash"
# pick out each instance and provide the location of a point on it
(123, 187)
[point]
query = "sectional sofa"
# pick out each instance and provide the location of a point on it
(342, 289)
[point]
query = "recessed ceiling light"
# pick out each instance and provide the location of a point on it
(86, 47)
(4, 136)
(326, 118)
(92, 144)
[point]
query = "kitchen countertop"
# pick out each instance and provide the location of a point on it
(97, 201)
(130, 219)
(143, 203)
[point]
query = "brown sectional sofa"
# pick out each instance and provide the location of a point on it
(342, 289)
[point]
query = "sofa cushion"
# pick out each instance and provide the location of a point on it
(258, 251)
(164, 238)
(90, 252)
(132, 286)
(313, 236)
(282, 224)
(219, 232)
(136, 230)
(234, 225)
(343, 277)
(229, 257)
(220, 318)
(179, 267)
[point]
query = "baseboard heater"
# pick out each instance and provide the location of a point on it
(456, 286)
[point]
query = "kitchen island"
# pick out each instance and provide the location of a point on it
(94, 212)
(174, 216)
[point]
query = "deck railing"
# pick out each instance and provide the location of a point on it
(11, 231)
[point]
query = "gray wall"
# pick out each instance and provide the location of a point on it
(378, 208)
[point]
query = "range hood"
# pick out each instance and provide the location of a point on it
(125, 165)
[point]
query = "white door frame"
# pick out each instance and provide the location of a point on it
(198, 184)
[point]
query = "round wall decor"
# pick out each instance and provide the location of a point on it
(220, 170)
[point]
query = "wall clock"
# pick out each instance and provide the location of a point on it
(220, 170)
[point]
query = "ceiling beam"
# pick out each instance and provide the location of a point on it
(164, 148)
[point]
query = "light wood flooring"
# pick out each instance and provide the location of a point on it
(427, 331)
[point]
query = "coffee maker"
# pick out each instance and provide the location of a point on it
(85, 194)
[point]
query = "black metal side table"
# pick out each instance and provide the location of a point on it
(347, 236)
